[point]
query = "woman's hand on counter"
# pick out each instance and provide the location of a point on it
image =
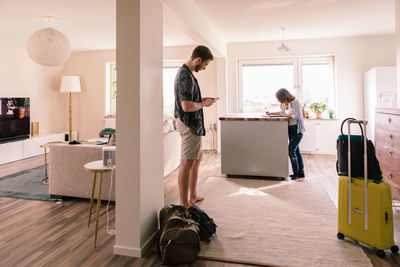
(273, 113)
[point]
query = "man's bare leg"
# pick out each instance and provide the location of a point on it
(194, 173)
(183, 182)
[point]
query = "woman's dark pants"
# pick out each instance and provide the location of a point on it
(294, 151)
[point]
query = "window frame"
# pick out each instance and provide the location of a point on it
(330, 60)
(297, 73)
(110, 77)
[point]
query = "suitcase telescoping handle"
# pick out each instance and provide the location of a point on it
(364, 123)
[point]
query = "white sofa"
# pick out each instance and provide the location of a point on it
(68, 178)
(172, 147)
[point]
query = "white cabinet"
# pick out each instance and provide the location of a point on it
(32, 145)
(21, 149)
(11, 151)
(254, 147)
(379, 91)
(320, 136)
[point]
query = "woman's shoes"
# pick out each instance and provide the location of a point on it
(296, 176)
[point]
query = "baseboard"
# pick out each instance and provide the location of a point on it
(136, 252)
(318, 153)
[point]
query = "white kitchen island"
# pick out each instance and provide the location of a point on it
(254, 145)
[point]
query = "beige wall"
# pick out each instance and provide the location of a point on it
(353, 56)
(88, 107)
(21, 77)
(207, 78)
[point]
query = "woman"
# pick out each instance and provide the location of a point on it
(291, 108)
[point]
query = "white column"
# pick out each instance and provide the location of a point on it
(139, 175)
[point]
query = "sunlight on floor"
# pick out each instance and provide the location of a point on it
(258, 191)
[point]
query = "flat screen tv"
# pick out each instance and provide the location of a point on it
(14, 118)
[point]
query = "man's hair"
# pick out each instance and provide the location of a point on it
(202, 52)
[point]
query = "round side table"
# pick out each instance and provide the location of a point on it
(47, 145)
(97, 167)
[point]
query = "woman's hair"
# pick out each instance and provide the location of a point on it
(284, 96)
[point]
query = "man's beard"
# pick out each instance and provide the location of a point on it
(197, 68)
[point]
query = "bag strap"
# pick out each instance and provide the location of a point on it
(341, 127)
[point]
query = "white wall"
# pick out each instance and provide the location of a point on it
(20, 76)
(353, 56)
(88, 107)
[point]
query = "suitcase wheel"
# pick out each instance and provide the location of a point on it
(340, 235)
(380, 253)
(394, 249)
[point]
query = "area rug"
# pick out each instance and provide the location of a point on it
(25, 184)
(275, 223)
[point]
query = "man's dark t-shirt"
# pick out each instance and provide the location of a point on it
(187, 88)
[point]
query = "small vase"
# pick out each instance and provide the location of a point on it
(331, 116)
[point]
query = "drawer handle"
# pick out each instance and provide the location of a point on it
(390, 175)
(391, 136)
(390, 120)
(391, 153)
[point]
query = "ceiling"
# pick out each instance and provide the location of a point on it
(90, 24)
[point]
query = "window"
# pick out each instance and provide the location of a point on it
(308, 78)
(169, 73)
(111, 89)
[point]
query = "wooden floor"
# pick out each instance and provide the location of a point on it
(39, 233)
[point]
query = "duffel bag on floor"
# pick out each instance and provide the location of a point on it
(207, 227)
(179, 241)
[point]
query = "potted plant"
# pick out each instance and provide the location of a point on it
(20, 104)
(318, 108)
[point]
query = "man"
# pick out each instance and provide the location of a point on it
(190, 123)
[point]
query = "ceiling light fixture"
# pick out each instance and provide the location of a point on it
(283, 47)
(48, 46)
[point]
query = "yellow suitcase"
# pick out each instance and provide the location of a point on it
(378, 232)
(368, 216)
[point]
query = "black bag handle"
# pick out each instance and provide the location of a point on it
(341, 127)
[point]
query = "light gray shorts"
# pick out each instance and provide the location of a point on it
(190, 143)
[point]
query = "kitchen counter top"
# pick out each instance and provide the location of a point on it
(251, 117)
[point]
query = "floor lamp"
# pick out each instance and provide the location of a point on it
(70, 84)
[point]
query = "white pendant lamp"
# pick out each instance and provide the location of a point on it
(49, 47)
(283, 47)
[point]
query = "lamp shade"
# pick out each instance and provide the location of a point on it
(49, 47)
(70, 84)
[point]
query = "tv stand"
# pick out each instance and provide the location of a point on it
(13, 139)
(21, 149)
